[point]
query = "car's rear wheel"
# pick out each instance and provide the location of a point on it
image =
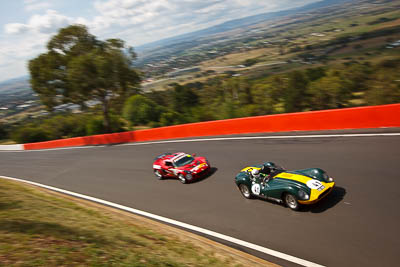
(182, 178)
(291, 201)
(244, 189)
(158, 174)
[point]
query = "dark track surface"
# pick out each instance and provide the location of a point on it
(357, 225)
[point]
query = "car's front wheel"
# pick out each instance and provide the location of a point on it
(291, 201)
(182, 178)
(244, 189)
(158, 174)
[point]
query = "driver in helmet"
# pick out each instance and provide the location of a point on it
(260, 175)
(255, 174)
(265, 170)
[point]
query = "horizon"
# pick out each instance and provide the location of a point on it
(26, 31)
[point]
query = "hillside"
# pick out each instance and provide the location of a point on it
(231, 25)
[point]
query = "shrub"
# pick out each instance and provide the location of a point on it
(250, 62)
(95, 125)
(3, 132)
(30, 134)
(140, 110)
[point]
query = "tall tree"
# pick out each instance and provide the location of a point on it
(384, 86)
(183, 97)
(295, 93)
(328, 92)
(78, 67)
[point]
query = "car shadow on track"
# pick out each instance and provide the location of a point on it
(208, 175)
(328, 202)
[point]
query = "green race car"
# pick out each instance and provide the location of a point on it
(293, 188)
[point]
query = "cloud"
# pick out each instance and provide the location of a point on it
(33, 5)
(49, 22)
(135, 21)
(136, 17)
(14, 55)
(26, 41)
(129, 12)
(16, 28)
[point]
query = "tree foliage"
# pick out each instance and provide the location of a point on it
(384, 88)
(140, 110)
(342, 85)
(222, 97)
(78, 67)
(30, 133)
(3, 132)
(63, 126)
(327, 92)
(183, 97)
(295, 92)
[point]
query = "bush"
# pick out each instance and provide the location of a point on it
(95, 125)
(250, 62)
(30, 134)
(140, 110)
(171, 118)
(64, 126)
(3, 132)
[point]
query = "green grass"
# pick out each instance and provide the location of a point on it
(39, 229)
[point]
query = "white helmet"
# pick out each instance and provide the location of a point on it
(255, 173)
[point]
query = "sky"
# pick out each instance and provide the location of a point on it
(27, 25)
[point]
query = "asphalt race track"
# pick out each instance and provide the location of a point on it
(356, 225)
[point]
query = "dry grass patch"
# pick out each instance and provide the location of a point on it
(38, 228)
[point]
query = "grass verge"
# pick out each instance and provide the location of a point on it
(42, 228)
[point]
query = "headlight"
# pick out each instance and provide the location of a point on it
(303, 195)
(330, 179)
(189, 176)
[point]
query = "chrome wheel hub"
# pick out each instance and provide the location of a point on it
(245, 190)
(291, 201)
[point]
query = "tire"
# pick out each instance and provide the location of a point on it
(291, 201)
(158, 174)
(189, 180)
(245, 190)
(182, 178)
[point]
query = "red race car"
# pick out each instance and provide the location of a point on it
(183, 166)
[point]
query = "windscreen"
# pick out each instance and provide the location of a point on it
(325, 176)
(184, 161)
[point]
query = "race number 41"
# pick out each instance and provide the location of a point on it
(255, 188)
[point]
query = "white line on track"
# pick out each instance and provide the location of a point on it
(222, 139)
(260, 137)
(177, 223)
(12, 147)
(51, 149)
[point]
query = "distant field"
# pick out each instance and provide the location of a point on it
(303, 35)
(237, 58)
